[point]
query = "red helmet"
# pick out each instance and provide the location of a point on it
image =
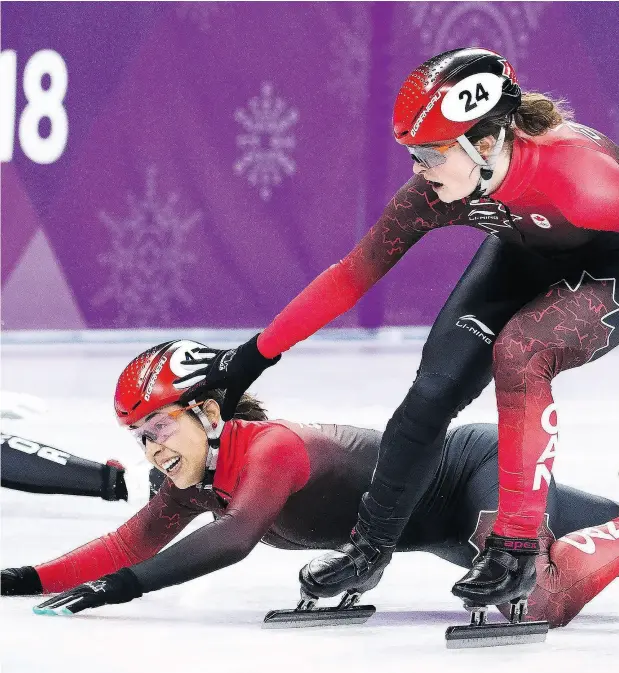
(147, 382)
(446, 96)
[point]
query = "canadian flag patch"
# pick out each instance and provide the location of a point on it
(540, 220)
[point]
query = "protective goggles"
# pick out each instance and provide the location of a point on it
(160, 426)
(429, 156)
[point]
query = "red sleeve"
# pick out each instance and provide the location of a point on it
(583, 182)
(407, 217)
(576, 568)
(140, 538)
(276, 466)
(279, 452)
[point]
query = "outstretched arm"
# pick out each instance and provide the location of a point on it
(406, 218)
(277, 466)
(39, 468)
(412, 212)
(273, 471)
(141, 537)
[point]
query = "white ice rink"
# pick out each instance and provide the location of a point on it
(214, 623)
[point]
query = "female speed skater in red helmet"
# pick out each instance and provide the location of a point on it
(537, 299)
(297, 486)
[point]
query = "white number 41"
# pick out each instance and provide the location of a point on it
(41, 103)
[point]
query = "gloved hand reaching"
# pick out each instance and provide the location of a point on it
(118, 587)
(235, 370)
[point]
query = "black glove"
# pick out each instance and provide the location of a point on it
(119, 587)
(23, 581)
(235, 370)
(155, 481)
(114, 485)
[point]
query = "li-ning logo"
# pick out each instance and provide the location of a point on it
(153, 378)
(97, 585)
(225, 360)
(491, 216)
(481, 332)
(541, 221)
(424, 112)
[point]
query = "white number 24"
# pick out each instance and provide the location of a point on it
(41, 103)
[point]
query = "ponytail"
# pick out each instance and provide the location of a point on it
(538, 113)
(249, 407)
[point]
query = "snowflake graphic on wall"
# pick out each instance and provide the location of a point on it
(198, 13)
(267, 141)
(150, 252)
(505, 27)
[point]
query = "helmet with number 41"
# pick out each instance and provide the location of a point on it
(148, 382)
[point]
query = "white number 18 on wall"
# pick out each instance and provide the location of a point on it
(40, 103)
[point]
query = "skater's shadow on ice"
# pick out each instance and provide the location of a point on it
(387, 618)
(219, 618)
(420, 617)
(255, 618)
(426, 617)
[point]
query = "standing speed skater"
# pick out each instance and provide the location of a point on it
(538, 298)
(297, 486)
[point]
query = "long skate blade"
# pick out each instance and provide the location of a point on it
(298, 619)
(490, 635)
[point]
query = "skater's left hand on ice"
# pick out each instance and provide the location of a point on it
(24, 581)
(119, 587)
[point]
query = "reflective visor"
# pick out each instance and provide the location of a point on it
(427, 156)
(157, 429)
(160, 426)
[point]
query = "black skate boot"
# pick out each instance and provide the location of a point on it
(354, 569)
(503, 573)
(357, 567)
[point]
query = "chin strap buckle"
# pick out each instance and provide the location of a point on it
(486, 166)
(213, 435)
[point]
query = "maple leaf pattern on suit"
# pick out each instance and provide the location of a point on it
(574, 321)
(410, 214)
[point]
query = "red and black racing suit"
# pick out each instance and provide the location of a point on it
(538, 298)
(297, 486)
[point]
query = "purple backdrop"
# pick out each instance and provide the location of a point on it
(221, 155)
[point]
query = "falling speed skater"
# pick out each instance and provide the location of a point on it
(228, 468)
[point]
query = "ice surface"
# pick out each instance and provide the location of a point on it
(213, 624)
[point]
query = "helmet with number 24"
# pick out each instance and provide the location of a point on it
(445, 97)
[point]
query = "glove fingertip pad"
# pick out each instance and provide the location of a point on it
(51, 611)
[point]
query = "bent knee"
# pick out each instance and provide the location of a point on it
(553, 611)
(515, 362)
(446, 392)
